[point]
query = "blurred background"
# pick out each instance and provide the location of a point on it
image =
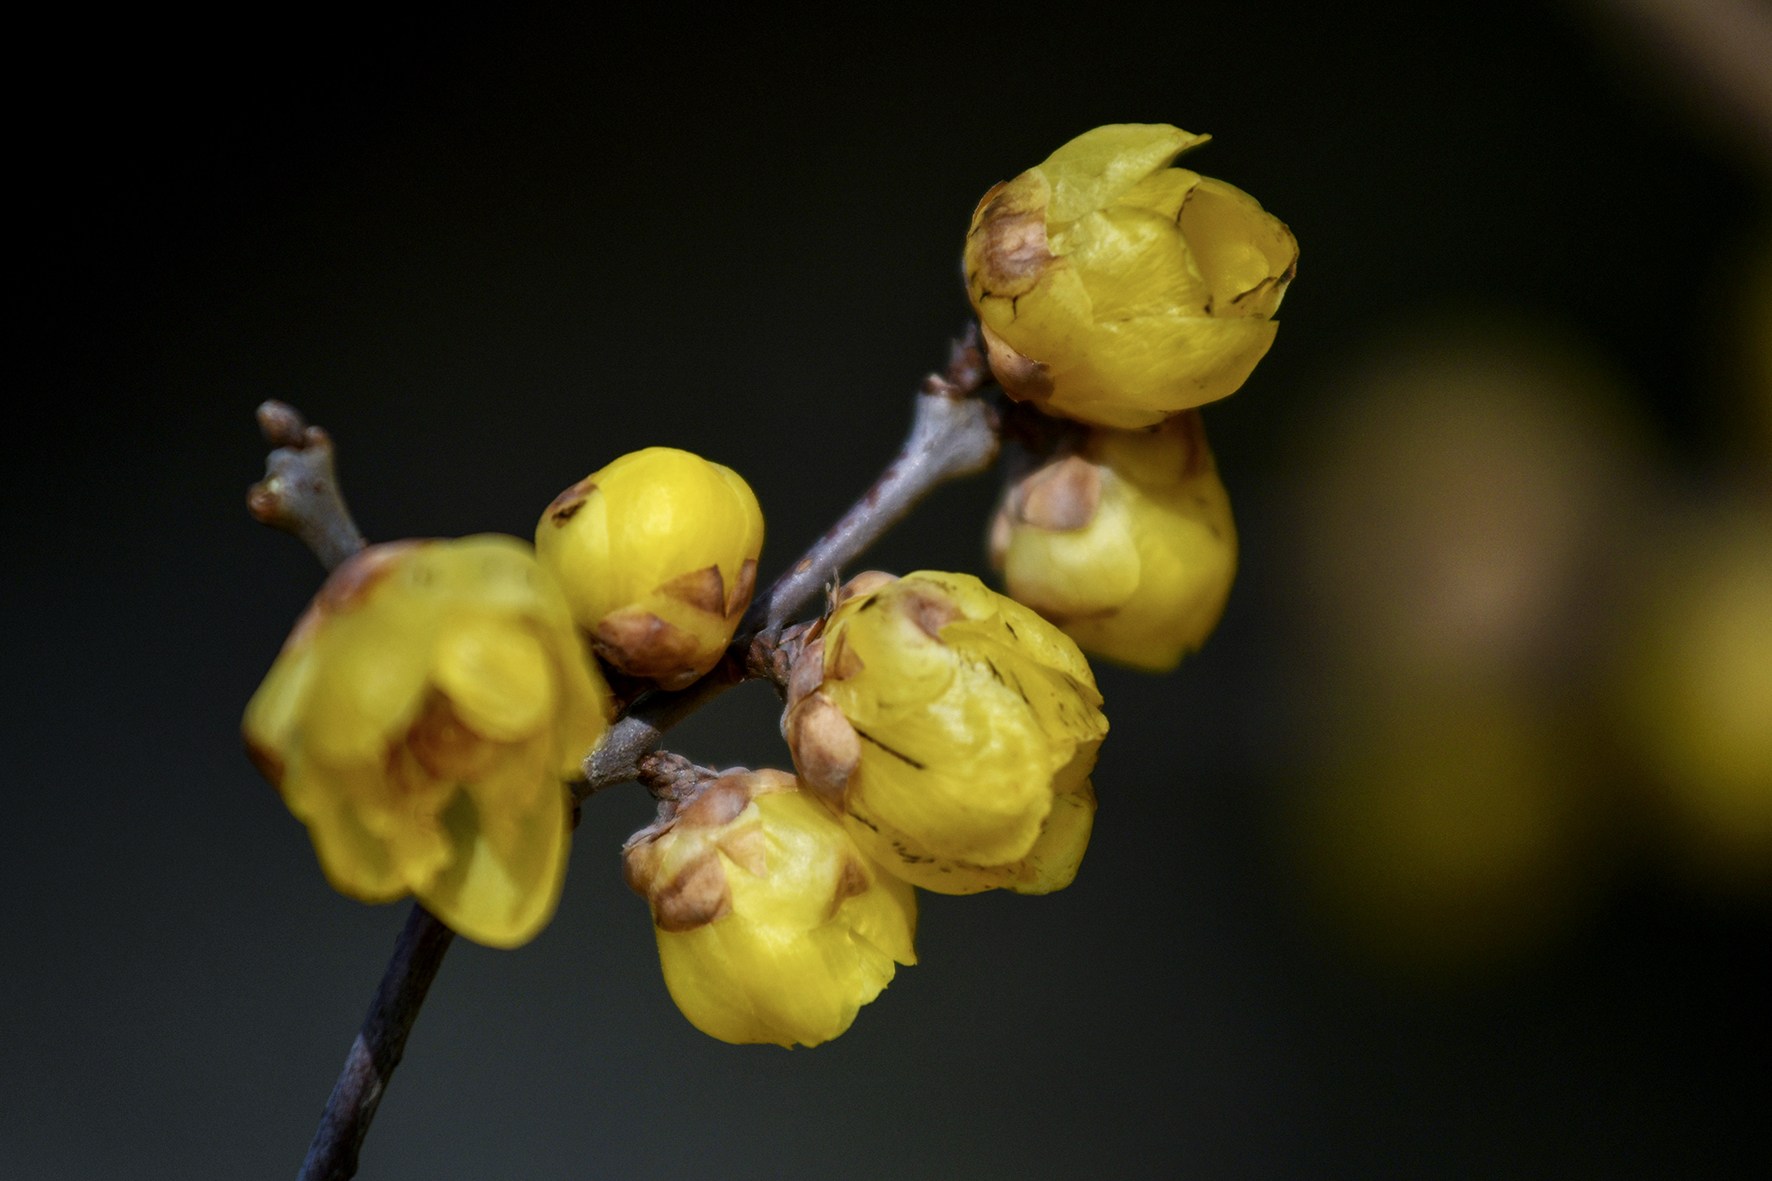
(1450, 855)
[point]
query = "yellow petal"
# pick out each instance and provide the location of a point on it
(1132, 262)
(356, 862)
(1053, 861)
(510, 836)
(1162, 193)
(1245, 253)
(1079, 572)
(497, 675)
(1102, 163)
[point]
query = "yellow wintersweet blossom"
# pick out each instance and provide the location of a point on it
(953, 728)
(772, 926)
(1117, 290)
(422, 720)
(658, 556)
(1128, 546)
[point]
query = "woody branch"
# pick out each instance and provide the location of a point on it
(953, 434)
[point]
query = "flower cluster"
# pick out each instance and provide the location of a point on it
(428, 714)
(1118, 293)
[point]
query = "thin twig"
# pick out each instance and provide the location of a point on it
(380, 1044)
(299, 493)
(953, 434)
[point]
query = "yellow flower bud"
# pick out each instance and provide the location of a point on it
(1116, 290)
(772, 926)
(955, 731)
(1128, 546)
(422, 720)
(658, 557)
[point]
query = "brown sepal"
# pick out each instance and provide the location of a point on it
(852, 880)
(567, 504)
(807, 673)
(1021, 377)
(929, 612)
(695, 897)
(718, 803)
(1061, 496)
(743, 587)
(702, 589)
(826, 747)
(643, 645)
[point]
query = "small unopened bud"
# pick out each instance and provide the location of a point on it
(1128, 546)
(658, 556)
(772, 925)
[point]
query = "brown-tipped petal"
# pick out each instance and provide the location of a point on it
(269, 763)
(695, 897)
(826, 747)
(930, 612)
(1062, 496)
(702, 589)
(1022, 377)
(348, 586)
(718, 803)
(1013, 253)
(853, 879)
(748, 847)
(639, 862)
(569, 502)
(844, 663)
(743, 587)
(807, 673)
(865, 583)
(641, 644)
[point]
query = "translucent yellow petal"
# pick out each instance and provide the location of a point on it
(1180, 519)
(355, 861)
(585, 705)
(1053, 861)
(1102, 163)
(367, 687)
(496, 673)
(1190, 560)
(274, 713)
(1162, 192)
(1132, 262)
(798, 990)
(576, 552)
(510, 861)
(1078, 572)
(1046, 645)
(907, 668)
(1243, 251)
(698, 974)
(1051, 323)
(1141, 371)
(966, 778)
(885, 916)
